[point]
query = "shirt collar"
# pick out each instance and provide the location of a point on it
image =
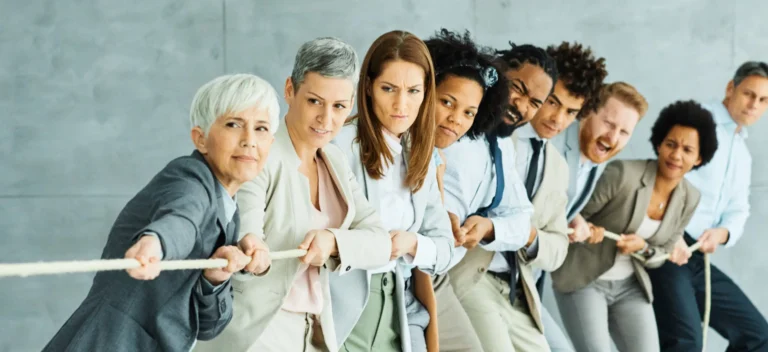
(584, 162)
(723, 117)
(230, 204)
(527, 132)
(393, 143)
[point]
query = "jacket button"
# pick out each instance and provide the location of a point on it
(222, 307)
(349, 268)
(481, 270)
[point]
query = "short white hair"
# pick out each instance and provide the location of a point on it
(233, 93)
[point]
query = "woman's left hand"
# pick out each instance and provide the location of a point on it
(630, 243)
(403, 242)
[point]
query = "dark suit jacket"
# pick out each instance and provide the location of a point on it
(182, 204)
(619, 203)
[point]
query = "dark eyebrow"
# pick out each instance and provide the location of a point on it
(523, 87)
(451, 96)
(557, 100)
(317, 96)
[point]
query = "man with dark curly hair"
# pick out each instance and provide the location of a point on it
(544, 170)
(719, 220)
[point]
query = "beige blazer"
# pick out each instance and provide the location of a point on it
(549, 218)
(276, 206)
(619, 204)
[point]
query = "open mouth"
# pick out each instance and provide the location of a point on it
(513, 116)
(602, 147)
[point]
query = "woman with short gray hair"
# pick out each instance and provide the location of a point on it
(307, 198)
(187, 211)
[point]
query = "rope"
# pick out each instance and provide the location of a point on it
(81, 266)
(707, 279)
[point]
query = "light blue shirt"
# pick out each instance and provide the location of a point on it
(470, 184)
(724, 182)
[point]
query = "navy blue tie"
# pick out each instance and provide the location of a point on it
(509, 256)
(493, 145)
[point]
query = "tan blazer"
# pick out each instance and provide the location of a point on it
(549, 218)
(619, 204)
(276, 206)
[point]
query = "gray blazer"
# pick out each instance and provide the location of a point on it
(619, 203)
(430, 220)
(568, 142)
(183, 205)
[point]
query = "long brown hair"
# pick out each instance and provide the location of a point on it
(420, 137)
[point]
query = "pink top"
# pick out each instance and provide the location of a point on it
(306, 295)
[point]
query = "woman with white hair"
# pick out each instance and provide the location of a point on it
(187, 211)
(306, 197)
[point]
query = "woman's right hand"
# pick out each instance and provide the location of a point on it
(680, 253)
(320, 245)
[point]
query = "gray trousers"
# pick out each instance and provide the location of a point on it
(606, 309)
(556, 339)
(418, 318)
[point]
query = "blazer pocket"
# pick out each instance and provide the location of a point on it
(118, 328)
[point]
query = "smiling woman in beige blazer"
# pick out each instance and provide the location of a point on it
(601, 288)
(306, 197)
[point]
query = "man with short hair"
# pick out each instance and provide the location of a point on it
(545, 172)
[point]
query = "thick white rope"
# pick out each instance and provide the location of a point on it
(64, 267)
(707, 279)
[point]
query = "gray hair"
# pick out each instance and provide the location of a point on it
(327, 56)
(233, 93)
(750, 68)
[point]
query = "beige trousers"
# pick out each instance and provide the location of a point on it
(454, 328)
(287, 332)
(501, 326)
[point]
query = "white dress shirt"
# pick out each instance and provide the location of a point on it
(470, 184)
(724, 182)
(397, 211)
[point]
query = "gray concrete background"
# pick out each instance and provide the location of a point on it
(94, 97)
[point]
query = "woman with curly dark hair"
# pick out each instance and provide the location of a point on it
(603, 286)
(471, 101)
(471, 95)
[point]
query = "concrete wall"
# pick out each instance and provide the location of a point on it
(94, 99)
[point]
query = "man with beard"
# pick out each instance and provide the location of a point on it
(545, 173)
(485, 194)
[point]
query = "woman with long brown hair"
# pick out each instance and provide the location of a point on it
(389, 144)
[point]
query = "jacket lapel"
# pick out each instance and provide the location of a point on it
(419, 199)
(642, 197)
(345, 193)
(572, 157)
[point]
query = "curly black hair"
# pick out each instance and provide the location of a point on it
(458, 55)
(689, 114)
(517, 55)
(580, 71)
